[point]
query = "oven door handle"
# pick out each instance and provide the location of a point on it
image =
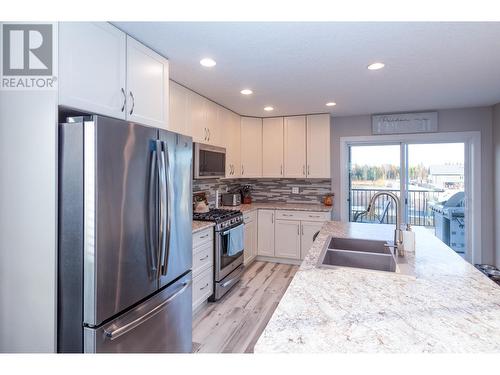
(227, 231)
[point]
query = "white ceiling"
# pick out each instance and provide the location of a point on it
(298, 67)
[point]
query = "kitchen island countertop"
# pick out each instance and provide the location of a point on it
(449, 306)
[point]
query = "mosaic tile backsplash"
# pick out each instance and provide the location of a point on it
(270, 190)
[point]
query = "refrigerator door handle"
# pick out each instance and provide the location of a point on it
(163, 200)
(114, 334)
(169, 210)
(151, 210)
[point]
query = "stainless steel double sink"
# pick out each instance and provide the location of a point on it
(358, 253)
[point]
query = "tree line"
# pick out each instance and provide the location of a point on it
(387, 172)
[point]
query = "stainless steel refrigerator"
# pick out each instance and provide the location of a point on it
(125, 238)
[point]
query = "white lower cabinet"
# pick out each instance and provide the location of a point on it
(251, 147)
(307, 232)
(203, 266)
(203, 285)
(287, 234)
(265, 238)
(250, 251)
(287, 239)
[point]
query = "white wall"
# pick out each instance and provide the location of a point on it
(496, 166)
(28, 221)
(451, 120)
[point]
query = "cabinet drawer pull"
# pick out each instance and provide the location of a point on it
(314, 216)
(287, 215)
(205, 257)
(204, 287)
(204, 236)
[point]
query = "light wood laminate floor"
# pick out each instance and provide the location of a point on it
(234, 323)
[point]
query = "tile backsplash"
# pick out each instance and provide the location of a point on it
(269, 189)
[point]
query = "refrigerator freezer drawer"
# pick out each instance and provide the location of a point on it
(161, 324)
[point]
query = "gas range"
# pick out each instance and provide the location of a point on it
(222, 218)
(228, 263)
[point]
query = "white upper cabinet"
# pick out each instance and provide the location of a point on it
(92, 68)
(295, 147)
(318, 146)
(272, 147)
(251, 147)
(204, 119)
(196, 117)
(147, 85)
(104, 71)
(213, 115)
(178, 113)
(231, 131)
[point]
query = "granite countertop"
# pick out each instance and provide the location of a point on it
(448, 306)
(281, 206)
(198, 226)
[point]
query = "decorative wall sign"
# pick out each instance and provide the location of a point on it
(404, 123)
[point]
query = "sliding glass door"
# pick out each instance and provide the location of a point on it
(430, 178)
(374, 168)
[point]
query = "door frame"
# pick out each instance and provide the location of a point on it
(472, 170)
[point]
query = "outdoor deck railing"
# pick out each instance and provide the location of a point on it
(418, 206)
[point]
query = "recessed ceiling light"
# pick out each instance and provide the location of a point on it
(376, 66)
(268, 108)
(208, 62)
(331, 104)
(246, 92)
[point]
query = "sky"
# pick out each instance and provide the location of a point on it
(427, 154)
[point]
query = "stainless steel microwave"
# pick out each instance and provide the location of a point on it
(208, 161)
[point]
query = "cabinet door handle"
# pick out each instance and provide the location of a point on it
(302, 228)
(242, 170)
(304, 170)
(308, 169)
(205, 131)
(133, 102)
(124, 99)
(272, 218)
(205, 257)
(281, 169)
(208, 134)
(298, 230)
(204, 236)
(204, 287)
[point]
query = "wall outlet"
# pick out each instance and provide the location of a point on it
(295, 190)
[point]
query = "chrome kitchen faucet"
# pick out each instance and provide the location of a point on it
(398, 233)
